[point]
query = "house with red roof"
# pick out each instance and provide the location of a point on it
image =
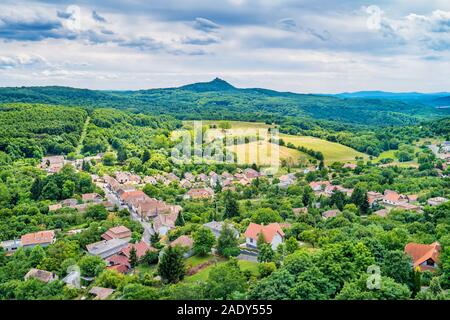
(185, 242)
(119, 232)
(424, 256)
(272, 233)
(121, 261)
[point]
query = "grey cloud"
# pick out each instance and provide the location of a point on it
(33, 29)
(98, 17)
(205, 25)
(200, 41)
(64, 14)
(288, 24)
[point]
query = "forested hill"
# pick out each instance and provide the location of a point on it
(220, 100)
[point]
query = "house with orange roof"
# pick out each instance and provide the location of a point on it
(41, 238)
(272, 233)
(424, 256)
(319, 185)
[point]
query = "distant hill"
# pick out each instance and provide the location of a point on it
(214, 85)
(402, 96)
(218, 99)
(442, 102)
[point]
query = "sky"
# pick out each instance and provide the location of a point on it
(307, 46)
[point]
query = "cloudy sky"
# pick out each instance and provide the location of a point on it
(314, 46)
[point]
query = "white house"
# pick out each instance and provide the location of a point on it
(272, 234)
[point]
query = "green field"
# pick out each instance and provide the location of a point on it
(203, 274)
(391, 154)
(333, 152)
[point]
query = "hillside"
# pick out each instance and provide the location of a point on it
(220, 100)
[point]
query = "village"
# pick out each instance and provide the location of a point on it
(123, 191)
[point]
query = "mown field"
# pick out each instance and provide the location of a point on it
(332, 151)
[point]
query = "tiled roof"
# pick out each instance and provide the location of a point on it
(36, 238)
(268, 231)
(422, 252)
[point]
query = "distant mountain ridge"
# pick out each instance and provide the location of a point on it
(219, 99)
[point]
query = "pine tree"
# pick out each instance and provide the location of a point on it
(179, 222)
(36, 188)
(121, 154)
(231, 205)
(145, 156)
(133, 257)
(171, 266)
(154, 238)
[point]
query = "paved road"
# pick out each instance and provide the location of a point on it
(114, 199)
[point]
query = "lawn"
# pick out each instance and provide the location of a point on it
(203, 274)
(333, 152)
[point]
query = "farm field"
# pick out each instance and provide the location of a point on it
(332, 151)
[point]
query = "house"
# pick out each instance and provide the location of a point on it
(216, 227)
(300, 211)
(54, 207)
(381, 213)
(164, 222)
(189, 176)
(150, 180)
(101, 293)
(42, 238)
(120, 232)
(272, 234)
(330, 189)
(121, 261)
(330, 213)
(185, 242)
(150, 208)
(202, 193)
(373, 197)
(350, 166)
(437, 201)
(424, 256)
(287, 180)
(10, 245)
(69, 202)
(106, 248)
(91, 197)
(41, 275)
(185, 184)
(446, 146)
(172, 177)
(319, 185)
(251, 173)
(52, 164)
(409, 207)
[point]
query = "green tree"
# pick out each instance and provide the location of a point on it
(91, 266)
(97, 212)
(171, 266)
(179, 222)
(227, 243)
(266, 216)
(36, 188)
(203, 241)
(291, 245)
(266, 253)
(133, 257)
(358, 290)
(109, 159)
(224, 280)
(231, 205)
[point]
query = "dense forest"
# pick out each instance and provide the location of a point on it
(219, 100)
